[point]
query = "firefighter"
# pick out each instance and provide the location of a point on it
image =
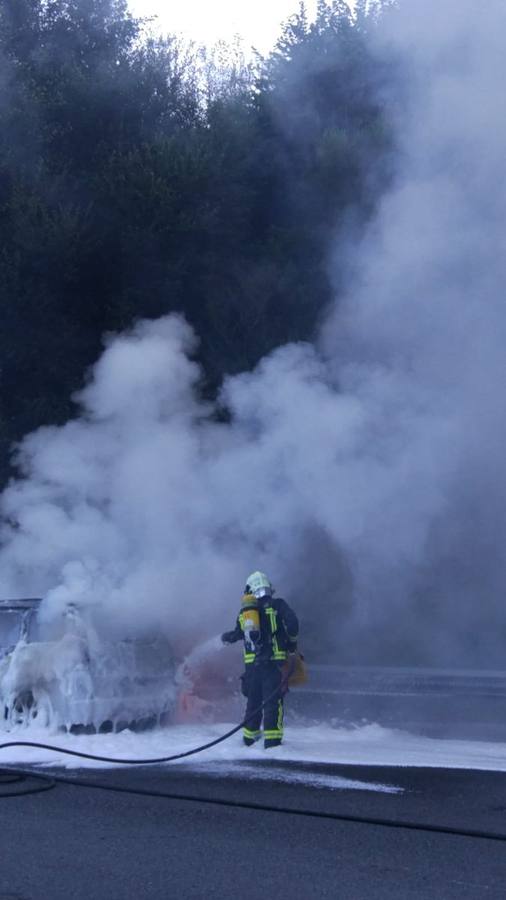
(269, 629)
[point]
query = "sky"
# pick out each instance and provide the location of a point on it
(258, 23)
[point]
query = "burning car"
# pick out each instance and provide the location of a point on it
(78, 681)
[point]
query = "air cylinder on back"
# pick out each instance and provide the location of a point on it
(250, 622)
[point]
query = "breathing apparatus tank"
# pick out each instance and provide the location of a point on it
(250, 622)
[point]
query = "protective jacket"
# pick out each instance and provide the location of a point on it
(279, 629)
(262, 682)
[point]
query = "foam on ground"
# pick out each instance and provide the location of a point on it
(366, 745)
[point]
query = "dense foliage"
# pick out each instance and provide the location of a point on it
(140, 176)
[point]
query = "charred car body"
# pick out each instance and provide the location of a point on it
(79, 681)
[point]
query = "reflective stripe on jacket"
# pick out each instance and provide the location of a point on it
(279, 631)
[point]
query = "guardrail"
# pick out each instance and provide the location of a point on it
(437, 702)
(386, 680)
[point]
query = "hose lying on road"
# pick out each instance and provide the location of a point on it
(14, 775)
(18, 777)
(127, 762)
(152, 760)
(50, 781)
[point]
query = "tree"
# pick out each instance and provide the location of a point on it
(142, 176)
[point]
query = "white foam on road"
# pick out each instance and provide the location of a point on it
(366, 745)
(308, 777)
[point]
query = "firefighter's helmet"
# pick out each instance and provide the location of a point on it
(259, 585)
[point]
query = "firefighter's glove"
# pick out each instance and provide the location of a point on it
(228, 637)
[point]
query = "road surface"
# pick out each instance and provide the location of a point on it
(83, 843)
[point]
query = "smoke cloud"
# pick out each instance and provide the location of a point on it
(365, 473)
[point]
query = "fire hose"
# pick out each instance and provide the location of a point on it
(161, 759)
(14, 775)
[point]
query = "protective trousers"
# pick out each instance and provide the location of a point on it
(262, 682)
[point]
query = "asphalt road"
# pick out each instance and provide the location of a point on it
(83, 843)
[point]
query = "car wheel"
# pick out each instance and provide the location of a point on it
(30, 709)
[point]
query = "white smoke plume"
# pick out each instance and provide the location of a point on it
(365, 474)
